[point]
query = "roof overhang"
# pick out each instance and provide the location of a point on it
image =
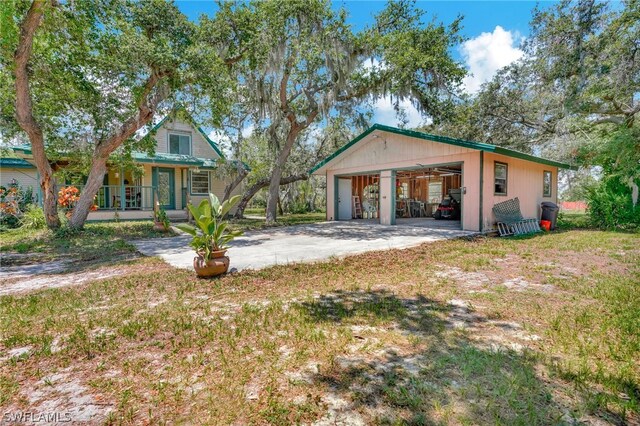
(322, 166)
(16, 163)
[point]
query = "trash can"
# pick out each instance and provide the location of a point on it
(550, 212)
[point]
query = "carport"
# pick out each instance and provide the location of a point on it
(397, 176)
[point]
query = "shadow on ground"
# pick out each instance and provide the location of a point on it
(428, 372)
(365, 230)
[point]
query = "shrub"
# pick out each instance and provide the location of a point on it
(611, 205)
(14, 200)
(33, 218)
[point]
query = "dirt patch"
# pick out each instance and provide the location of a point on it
(65, 395)
(29, 283)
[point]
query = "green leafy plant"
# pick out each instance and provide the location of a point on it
(211, 232)
(33, 218)
(160, 216)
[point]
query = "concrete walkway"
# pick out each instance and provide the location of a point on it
(302, 243)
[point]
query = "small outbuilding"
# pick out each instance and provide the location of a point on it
(394, 175)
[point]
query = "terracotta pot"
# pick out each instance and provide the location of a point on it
(218, 265)
(159, 226)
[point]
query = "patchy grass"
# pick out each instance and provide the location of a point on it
(101, 241)
(537, 330)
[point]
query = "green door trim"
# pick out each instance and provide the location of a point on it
(172, 185)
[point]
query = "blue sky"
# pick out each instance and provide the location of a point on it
(494, 29)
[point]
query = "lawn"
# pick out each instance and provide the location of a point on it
(539, 330)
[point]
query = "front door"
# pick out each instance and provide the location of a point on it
(164, 180)
(344, 199)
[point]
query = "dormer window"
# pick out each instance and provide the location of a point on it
(179, 143)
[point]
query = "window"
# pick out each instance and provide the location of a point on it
(200, 182)
(546, 184)
(435, 192)
(500, 176)
(179, 144)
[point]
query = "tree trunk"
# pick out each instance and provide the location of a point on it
(228, 190)
(94, 182)
(276, 174)
(146, 109)
(253, 190)
(24, 112)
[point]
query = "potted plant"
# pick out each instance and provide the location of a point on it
(161, 220)
(211, 235)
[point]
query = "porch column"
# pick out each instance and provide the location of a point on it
(122, 190)
(388, 197)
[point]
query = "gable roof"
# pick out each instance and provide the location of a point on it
(162, 158)
(191, 121)
(480, 146)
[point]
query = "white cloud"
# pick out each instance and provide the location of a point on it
(384, 113)
(383, 110)
(487, 53)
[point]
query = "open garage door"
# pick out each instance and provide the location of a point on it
(430, 197)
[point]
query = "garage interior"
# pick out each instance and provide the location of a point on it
(419, 192)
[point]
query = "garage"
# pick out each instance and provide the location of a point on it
(397, 176)
(424, 196)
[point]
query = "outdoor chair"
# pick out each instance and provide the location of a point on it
(510, 221)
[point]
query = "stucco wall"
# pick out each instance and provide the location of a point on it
(199, 146)
(524, 180)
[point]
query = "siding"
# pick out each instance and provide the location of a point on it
(25, 177)
(199, 146)
(390, 151)
(524, 180)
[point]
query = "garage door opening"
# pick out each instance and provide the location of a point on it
(359, 197)
(430, 197)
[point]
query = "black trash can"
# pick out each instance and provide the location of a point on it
(550, 212)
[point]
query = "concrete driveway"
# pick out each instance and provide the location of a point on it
(302, 243)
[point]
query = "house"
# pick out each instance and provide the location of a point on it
(400, 176)
(18, 171)
(180, 171)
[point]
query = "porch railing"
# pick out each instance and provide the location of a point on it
(127, 197)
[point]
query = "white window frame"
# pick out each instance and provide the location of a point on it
(187, 134)
(544, 175)
(191, 190)
(506, 178)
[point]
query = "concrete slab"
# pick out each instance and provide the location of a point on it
(302, 243)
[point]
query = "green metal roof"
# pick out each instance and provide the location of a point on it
(443, 139)
(16, 163)
(165, 158)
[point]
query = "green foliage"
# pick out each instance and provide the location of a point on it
(214, 232)
(161, 216)
(90, 67)
(33, 218)
(611, 205)
(14, 201)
